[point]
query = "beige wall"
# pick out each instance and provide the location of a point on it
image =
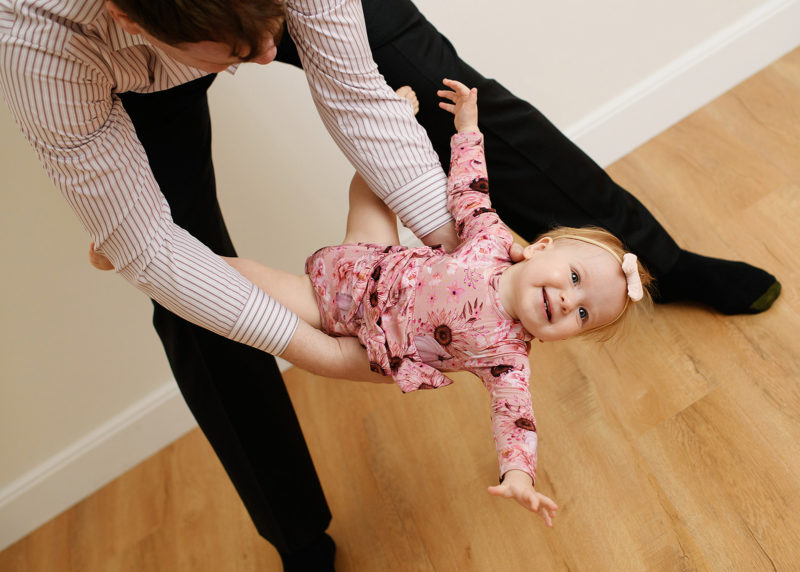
(572, 56)
(76, 345)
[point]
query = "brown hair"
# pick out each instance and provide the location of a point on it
(242, 24)
(604, 239)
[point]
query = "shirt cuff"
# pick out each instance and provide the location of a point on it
(265, 324)
(421, 204)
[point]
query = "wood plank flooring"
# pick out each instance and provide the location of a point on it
(675, 449)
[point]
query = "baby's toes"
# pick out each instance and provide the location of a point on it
(405, 91)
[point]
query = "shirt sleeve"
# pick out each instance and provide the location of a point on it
(468, 191)
(513, 423)
(64, 106)
(374, 128)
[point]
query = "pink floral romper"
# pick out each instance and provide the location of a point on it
(420, 311)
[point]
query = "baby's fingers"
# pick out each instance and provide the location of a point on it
(547, 502)
(447, 107)
(500, 491)
(456, 86)
(547, 509)
(447, 94)
(546, 515)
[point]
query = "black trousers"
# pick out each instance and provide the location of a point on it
(538, 179)
(235, 392)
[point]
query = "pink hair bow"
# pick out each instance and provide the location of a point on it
(631, 270)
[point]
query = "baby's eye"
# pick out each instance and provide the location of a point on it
(575, 277)
(583, 314)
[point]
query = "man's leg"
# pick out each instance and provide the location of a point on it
(235, 392)
(538, 177)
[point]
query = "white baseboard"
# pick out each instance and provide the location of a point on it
(607, 134)
(703, 73)
(96, 459)
(92, 461)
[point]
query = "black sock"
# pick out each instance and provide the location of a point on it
(316, 557)
(727, 286)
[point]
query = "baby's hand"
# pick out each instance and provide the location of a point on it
(464, 106)
(519, 486)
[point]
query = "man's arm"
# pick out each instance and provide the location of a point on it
(88, 146)
(375, 129)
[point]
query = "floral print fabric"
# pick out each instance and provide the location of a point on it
(420, 311)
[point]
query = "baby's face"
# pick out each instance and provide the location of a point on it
(566, 287)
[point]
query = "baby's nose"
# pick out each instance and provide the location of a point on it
(566, 302)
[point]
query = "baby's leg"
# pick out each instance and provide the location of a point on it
(294, 292)
(369, 219)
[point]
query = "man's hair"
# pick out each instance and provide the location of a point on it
(633, 310)
(242, 24)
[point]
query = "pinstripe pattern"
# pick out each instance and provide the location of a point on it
(381, 139)
(63, 61)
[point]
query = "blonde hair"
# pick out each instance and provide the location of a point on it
(601, 238)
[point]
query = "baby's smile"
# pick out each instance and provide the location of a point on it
(546, 305)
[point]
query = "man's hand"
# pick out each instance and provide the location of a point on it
(328, 356)
(516, 252)
(98, 260)
(518, 485)
(445, 235)
(354, 363)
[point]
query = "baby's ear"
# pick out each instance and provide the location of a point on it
(538, 246)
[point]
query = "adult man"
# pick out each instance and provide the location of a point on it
(112, 96)
(116, 110)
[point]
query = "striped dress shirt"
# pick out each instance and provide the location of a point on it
(62, 62)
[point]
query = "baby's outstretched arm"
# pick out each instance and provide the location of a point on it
(519, 486)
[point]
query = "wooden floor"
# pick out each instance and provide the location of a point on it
(675, 450)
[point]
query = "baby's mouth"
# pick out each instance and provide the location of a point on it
(546, 305)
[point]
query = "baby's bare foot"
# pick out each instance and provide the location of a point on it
(407, 93)
(98, 260)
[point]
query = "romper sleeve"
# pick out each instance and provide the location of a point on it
(513, 423)
(468, 189)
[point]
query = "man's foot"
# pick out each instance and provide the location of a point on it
(407, 93)
(727, 286)
(317, 557)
